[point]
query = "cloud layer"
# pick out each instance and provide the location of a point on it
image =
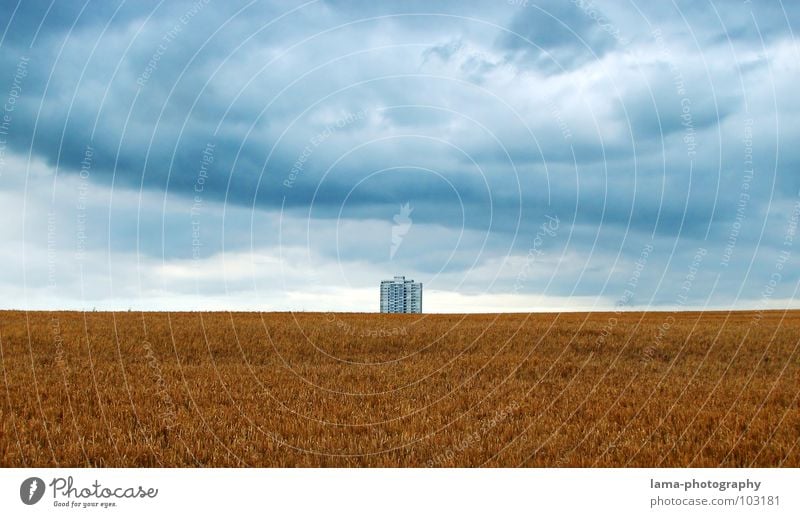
(256, 155)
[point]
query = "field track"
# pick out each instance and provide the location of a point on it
(333, 389)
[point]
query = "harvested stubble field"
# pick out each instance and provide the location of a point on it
(314, 389)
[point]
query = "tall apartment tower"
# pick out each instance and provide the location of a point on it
(401, 296)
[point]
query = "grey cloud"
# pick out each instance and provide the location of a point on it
(555, 36)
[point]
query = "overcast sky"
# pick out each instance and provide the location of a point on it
(515, 155)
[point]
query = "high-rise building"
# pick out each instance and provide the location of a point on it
(401, 295)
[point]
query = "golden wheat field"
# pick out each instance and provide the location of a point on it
(324, 389)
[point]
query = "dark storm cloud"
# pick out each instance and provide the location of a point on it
(27, 22)
(555, 35)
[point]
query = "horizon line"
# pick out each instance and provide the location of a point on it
(565, 311)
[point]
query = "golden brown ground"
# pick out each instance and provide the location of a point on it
(313, 389)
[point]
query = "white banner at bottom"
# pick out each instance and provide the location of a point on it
(400, 492)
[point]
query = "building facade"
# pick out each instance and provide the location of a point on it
(401, 296)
